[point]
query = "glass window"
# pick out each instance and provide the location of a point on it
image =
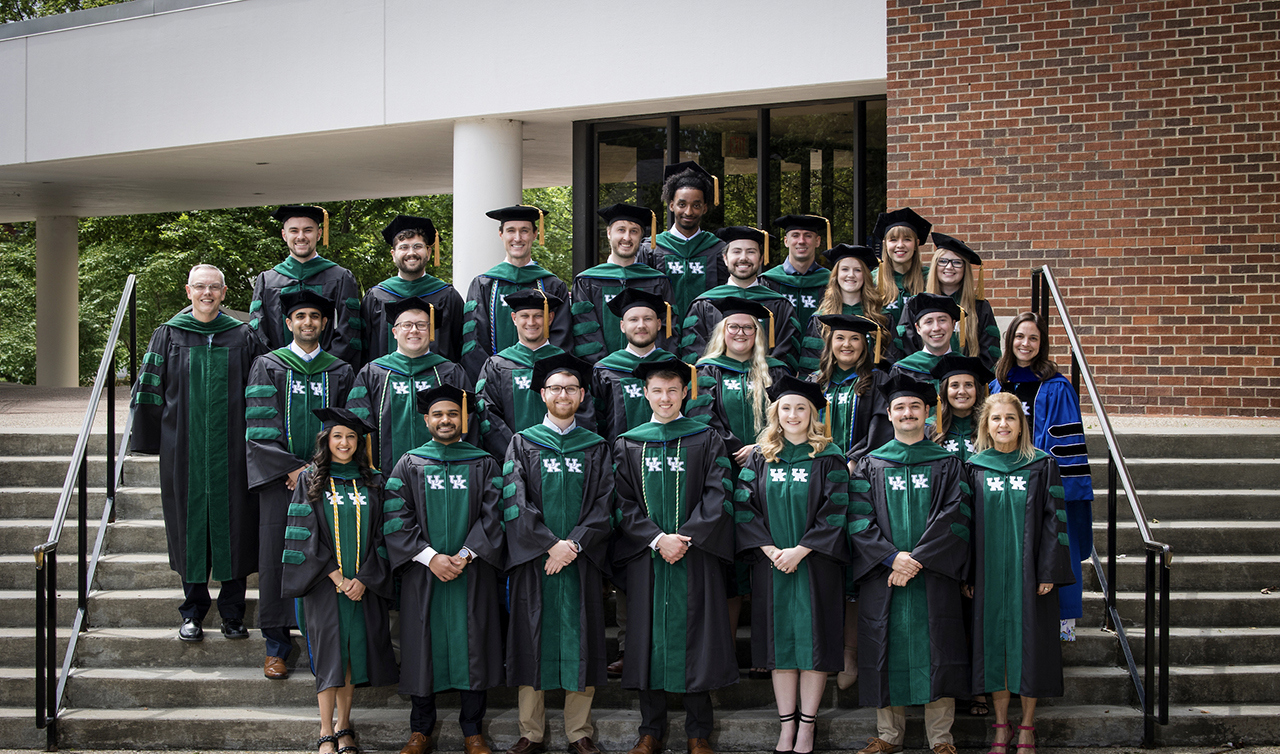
(725, 144)
(631, 156)
(813, 165)
(876, 171)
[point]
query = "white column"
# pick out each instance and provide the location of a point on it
(57, 302)
(488, 172)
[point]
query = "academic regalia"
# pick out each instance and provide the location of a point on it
(446, 497)
(343, 337)
(384, 394)
(448, 303)
(959, 439)
(859, 423)
(1053, 413)
(1019, 541)
(671, 478)
(804, 291)
(486, 333)
(557, 487)
(886, 221)
(797, 619)
(693, 266)
(619, 399)
(281, 438)
(341, 632)
(504, 389)
(724, 400)
(908, 340)
(703, 316)
(189, 407)
(812, 344)
(596, 329)
(911, 640)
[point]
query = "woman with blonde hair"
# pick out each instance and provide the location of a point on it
(951, 273)
(790, 507)
(1019, 554)
(900, 234)
(851, 289)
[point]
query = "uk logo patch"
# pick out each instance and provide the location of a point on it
(799, 475)
(573, 465)
(777, 475)
(551, 465)
(675, 464)
(995, 484)
(697, 268)
(1017, 483)
(421, 385)
(402, 388)
(898, 484)
(437, 483)
(459, 481)
(634, 391)
(298, 388)
(809, 302)
(733, 384)
(675, 268)
(653, 465)
(523, 383)
(919, 482)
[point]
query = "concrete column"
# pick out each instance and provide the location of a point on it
(488, 172)
(57, 302)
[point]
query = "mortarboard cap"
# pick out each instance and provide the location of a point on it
(730, 305)
(842, 250)
(393, 309)
(943, 241)
(531, 298)
(521, 213)
(953, 363)
(671, 171)
(815, 223)
(431, 396)
(901, 385)
(332, 416)
(789, 385)
(423, 225)
(926, 303)
(747, 233)
(318, 215)
(630, 298)
(854, 323)
(686, 372)
(642, 216)
(305, 299)
(905, 217)
(561, 362)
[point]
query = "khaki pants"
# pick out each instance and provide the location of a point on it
(891, 722)
(577, 714)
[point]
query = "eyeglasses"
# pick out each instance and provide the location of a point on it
(201, 287)
(410, 326)
(740, 329)
(956, 263)
(411, 247)
(569, 390)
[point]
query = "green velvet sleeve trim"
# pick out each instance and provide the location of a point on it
(836, 519)
(262, 433)
(813, 343)
(840, 498)
(727, 483)
(293, 557)
(965, 488)
(581, 307)
(741, 495)
(723, 462)
(299, 509)
(150, 398)
(1061, 514)
(509, 491)
(393, 504)
(469, 346)
(839, 476)
(149, 378)
(585, 328)
(508, 467)
(357, 392)
(261, 412)
(961, 531)
(859, 485)
(860, 508)
(297, 532)
(469, 327)
(469, 307)
(966, 510)
(859, 525)
(480, 383)
(152, 358)
(255, 305)
(382, 552)
(259, 391)
(743, 517)
(689, 321)
(1057, 491)
(392, 526)
(586, 349)
(394, 484)
(1063, 539)
(510, 512)
(746, 475)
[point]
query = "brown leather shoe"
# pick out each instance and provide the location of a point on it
(475, 745)
(700, 746)
(583, 745)
(880, 746)
(614, 669)
(418, 744)
(525, 746)
(646, 745)
(944, 749)
(273, 668)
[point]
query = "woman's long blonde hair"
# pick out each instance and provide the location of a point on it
(872, 301)
(758, 379)
(914, 276)
(942, 425)
(863, 366)
(1025, 449)
(968, 300)
(771, 439)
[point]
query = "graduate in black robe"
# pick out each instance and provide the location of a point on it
(488, 329)
(952, 273)
(285, 387)
(304, 269)
(677, 526)
(335, 564)
(689, 256)
(803, 236)
(557, 498)
(909, 519)
(1020, 554)
(189, 408)
(444, 535)
(617, 396)
(790, 512)
(412, 241)
(934, 318)
(851, 290)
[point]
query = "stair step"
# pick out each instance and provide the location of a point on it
(126, 571)
(1196, 537)
(19, 536)
(151, 608)
(1202, 609)
(1197, 572)
(1183, 473)
(41, 502)
(41, 442)
(1194, 505)
(17, 727)
(17, 687)
(1187, 646)
(1195, 443)
(1244, 683)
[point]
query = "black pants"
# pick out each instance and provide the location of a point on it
(422, 719)
(697, 714)
(230, 600)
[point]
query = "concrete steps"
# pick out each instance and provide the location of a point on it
(1213, 537)
(1194, 505)
(132, 503)
(1198, 572)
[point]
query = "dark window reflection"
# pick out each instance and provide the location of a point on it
(812, 158)
(725, 144)
(631, 156)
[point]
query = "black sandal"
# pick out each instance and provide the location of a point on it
(784, 719)
(807, 720)
(352, 735)
(327, 740)
(978, 708)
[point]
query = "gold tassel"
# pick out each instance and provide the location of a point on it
(668, 303)
(770, 328)
(435, 247)
(879, 338)
(693, 372)
(764, 262)
(431, 327)
(546, 316)
(827, 418)
(368, 451)
(653, 229)
(963, 315)
(464, 412)
(980, 296)
(542, 239)
(828, 222)
(941, 392)
(715, 182)
(326, 225)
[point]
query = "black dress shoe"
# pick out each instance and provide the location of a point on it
(191, 630)
(234, 629)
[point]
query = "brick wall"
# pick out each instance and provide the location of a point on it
(1131, 146)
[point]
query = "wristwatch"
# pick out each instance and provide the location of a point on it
(575, 544)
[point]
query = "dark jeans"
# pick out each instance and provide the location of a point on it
(278, 642)
(422, 719)
(230, 600)
(697, 714)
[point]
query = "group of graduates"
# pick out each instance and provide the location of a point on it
(439, 491)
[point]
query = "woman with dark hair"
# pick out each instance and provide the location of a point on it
(962, 388)
(335, 565)
(1053, 413)
(851, 289)
(790, 509)
(1019, 555)
(951, 273)
(901, 274)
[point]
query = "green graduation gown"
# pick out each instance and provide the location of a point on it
(811, 345)
(596, 329)
(703, 317)
(893, 309)
(908, 340)
(911, 640)
(1019, 541)
(724, 399)
(378, 339)
(189, 408)
(671, 478)
(557, 487)
(797, 619)
(959, 438)
(344, 336)
(693, 266)
(446, 497)
(618, 397)
(509, 403)
(487, 327)
(859, 423)
(804, 291)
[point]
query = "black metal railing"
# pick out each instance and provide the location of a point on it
(1152, 685)
(51, 685)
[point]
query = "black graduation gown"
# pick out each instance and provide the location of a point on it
(308, 559)
(344, 337)
(671, 477)
(859, 423)
(446, 497)
(703, 317)
(378, 340)
(189, 407)
(557, 487)
(483, 335)
(724, 399)
(811, 344)
(693, 266)
(797, 619)
(908, 340)
(596, 330)
(1019, 541)
(281, 437)
(618, 397)
(509, 403)
(911, 640)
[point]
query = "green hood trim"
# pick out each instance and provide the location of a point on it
(221, 323)
(754, 293)
(578, 439)
(423, 286)
(320, 363)
(610, 271)
(458, 451)
(920, 361)
(519, 275)
(910, 455)
(733, 365)
(292, 268)
(625, 361)
(797, 453)
(401, 364)
(690, 248)
(658, 432)
(521, 354)
(1004, 463)
(815, 277)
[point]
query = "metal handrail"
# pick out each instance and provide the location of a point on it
(1153, 701)
(50, 688)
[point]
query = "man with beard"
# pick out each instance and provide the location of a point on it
(800, 278)
(745, 253)
(303, 229)
(557, 499)
(488, 328)
(620, 404)
(412, 240)
(688, 255)
(595, 327)
(285, 386)
(189, 408)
